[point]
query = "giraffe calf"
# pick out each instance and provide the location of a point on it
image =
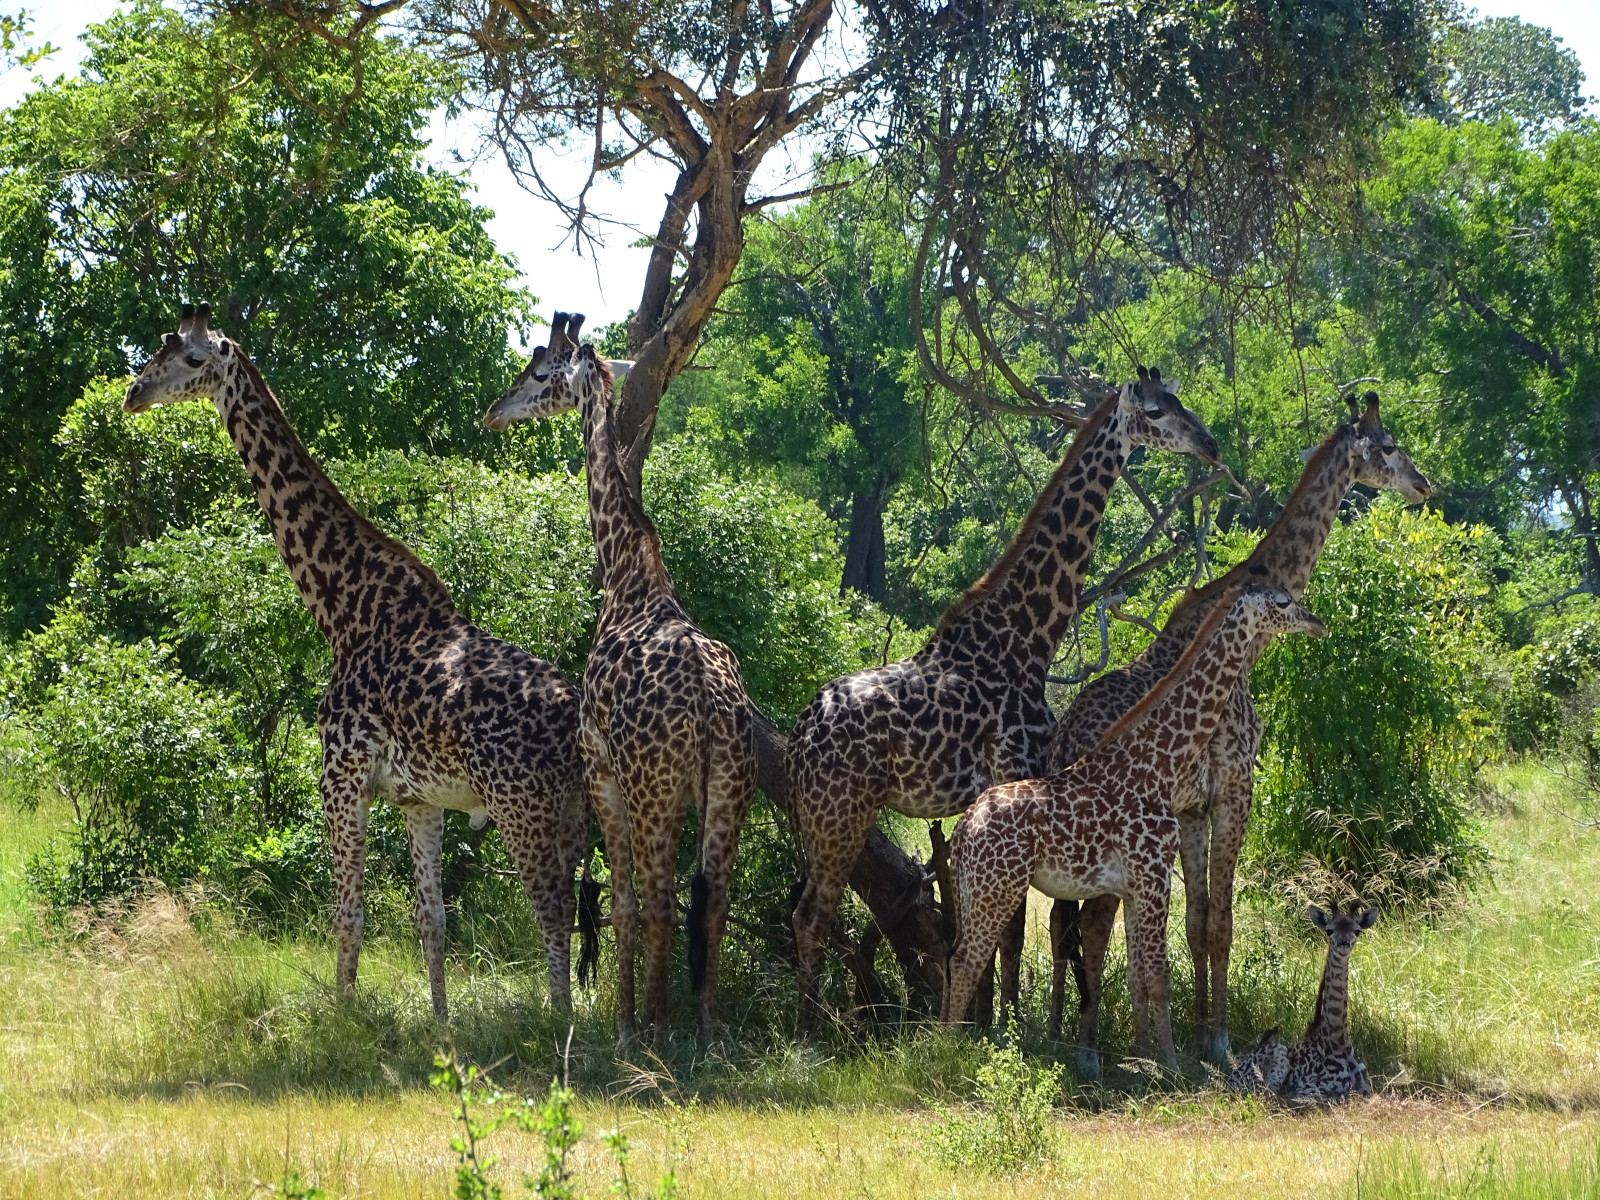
(1324, 1065)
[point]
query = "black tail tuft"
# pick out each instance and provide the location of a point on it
(699, 910)
(588, 929)
(1268, 1037)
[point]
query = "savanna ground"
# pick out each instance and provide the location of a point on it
(168, 1051)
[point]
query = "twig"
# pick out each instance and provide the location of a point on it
(1105, 642)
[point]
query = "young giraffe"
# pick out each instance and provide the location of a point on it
(1324, 1065)
(1105, 824)
(1214, 807)
(664, 712)
(927, 735)
(424, 708)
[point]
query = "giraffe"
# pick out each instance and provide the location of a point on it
(1214, 806)
(424, 708)
(1105, 823)
(664, 712)
(1324, 1065)
(927, 735)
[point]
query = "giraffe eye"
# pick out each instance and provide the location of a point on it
(193, 361)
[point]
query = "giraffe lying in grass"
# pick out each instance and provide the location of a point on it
(1324, 1065)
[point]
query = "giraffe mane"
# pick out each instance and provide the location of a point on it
(613, 459)
(1170, 681)
(997, 573)
(1238, 575)
(401, 551)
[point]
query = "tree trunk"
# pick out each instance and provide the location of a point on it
(864, 553)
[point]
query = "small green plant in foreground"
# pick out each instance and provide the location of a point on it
(554, 1122)
(1008, 1128)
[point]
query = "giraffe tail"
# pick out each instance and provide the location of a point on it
(588, 928)
(699, 886)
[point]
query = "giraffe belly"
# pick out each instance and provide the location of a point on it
(1073, 882)
(403, 782)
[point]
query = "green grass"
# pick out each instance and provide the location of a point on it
(173, 1049)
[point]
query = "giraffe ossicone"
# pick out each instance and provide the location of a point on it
(424, 708)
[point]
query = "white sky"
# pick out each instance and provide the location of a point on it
(607, 285)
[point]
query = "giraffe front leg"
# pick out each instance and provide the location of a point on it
(346, 800)
(1230, 818)
(1096, 921)
(1194, 840)
(1146, 925)
(425, 834)
(986, 905)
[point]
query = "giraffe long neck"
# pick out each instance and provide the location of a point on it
(1286, 554)
(1176, 720)
(625, 538)
(352, 577)
(1329, 1023)
(1026, 603)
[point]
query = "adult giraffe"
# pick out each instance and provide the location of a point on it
(665, 719)
(1214, 805)
(928, 735)
(424, 708)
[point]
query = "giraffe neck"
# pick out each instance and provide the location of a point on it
(1284, 557)
(352, 577)
(625, 538)
(1167, 730)
(1328, 1023)
(1022, 608)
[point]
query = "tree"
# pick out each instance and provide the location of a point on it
(1499, 67)
(279, 180)
(1482, 280)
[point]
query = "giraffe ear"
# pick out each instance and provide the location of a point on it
(1369, 918)
(1319, 918)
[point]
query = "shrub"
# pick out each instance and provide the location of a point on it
(1373, 733)
(1009, 1127)
(140, 753)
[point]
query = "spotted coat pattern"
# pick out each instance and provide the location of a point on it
(927, 735)
(665, 717)
(1214, 804)
(424, 708)
(1105, 824)
(1324, 1065)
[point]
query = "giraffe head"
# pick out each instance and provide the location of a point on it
(544, 388)
(1268, 608)
(1342, 928)
(1380, 463)
(1155, 418)
(189, 365)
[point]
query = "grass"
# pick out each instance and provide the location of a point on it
(165, 1051)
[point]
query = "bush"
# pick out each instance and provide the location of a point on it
(1373, 733)
(140, 753)
(1009, 1128)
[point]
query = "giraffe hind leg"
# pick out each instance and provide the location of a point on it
(425, 835)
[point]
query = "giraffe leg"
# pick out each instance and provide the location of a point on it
(1229, 819)
(728, 796)
(425, 833)
(546, 853)
(606, 799)
(1146, 925)
(1096, 921)
(346, 801)
(1194, 839)
(986, 907)
(1066, 947)
(828, 866)
(658, 880)
(1012, 939)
